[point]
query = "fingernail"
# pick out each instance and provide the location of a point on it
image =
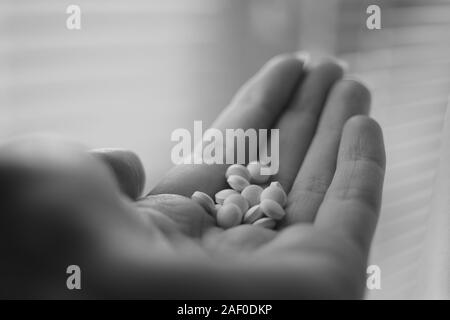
(357, 79)
(343, 64)
(303, 56)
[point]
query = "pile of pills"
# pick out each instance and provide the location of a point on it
(250, 199)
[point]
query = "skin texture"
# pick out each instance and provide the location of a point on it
(62, 205)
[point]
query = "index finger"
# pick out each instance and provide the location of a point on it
(257, 105)
(352, 202)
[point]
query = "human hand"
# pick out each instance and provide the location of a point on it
(63, 206)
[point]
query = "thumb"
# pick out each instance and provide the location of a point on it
(127, 168)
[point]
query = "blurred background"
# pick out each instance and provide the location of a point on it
(138, 69)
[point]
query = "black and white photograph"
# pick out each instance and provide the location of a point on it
(209, 151)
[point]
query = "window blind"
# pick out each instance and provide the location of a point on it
(136, 70)
(406, 65)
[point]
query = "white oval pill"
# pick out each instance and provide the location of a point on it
(205, 201)
(252, 193)
(254, 168)
(223, 194)
(229, 215)
(268, 223)
(276, 184)
(253, 214)
(276, 193)
(272, 209)
(216, 209)
(238, 200)
(237, 182)
(238, 170)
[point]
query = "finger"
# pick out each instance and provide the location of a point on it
(353, 201)
(55, 169)
(298, 123)
(347, 98)
(257, 105)
(58, 206)
(127, 168)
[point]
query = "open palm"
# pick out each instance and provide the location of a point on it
(164, 245)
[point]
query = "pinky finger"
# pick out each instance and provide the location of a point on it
(352, 202)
